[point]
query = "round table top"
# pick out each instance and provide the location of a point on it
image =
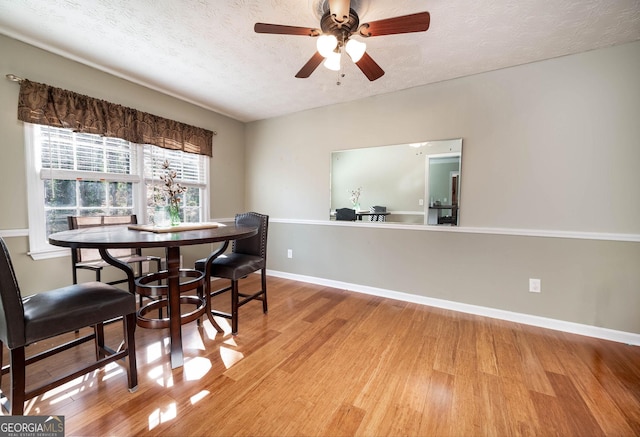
(113, 237)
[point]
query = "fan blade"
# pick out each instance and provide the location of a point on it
(340, 10)
(310, 66)
(405, 24)
(369, 67)
(280, 29)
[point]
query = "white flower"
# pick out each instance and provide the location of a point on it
(354, 195)
(172, 188)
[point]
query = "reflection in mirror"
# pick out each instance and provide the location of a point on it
(417, 183)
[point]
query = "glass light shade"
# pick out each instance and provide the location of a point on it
(333, 61)
(355, 49)
(326, 44)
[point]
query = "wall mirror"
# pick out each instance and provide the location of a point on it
(416, 183)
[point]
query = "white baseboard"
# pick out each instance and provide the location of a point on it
(527, 319)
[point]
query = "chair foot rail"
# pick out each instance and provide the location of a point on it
(217, 292)
(250, 297)
(50, 352)
(221, 314)
(73, 375)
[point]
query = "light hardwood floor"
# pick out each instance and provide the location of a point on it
(328, 362)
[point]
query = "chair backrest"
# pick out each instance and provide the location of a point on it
(256, 245)
(377, 218)
(346, 214)
(80, 222)
(11, 310)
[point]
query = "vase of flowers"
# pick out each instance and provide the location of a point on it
(354, 197)
(174, 214)
(172, 190)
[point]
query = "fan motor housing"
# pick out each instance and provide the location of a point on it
(344, 29)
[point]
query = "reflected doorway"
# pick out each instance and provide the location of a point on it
(442, 189)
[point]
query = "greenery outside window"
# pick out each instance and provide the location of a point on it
(71, 173)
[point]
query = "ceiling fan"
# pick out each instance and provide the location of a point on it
(338, 24)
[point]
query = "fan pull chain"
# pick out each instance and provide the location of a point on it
(341, 71)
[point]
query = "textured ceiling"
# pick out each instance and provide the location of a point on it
(206, 52)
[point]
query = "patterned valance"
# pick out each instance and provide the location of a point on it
(42, 104)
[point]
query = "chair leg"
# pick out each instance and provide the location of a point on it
(264, 290)
(98, 330)
(129, 324)
(234, 307)
(18, 374)
(2, 395)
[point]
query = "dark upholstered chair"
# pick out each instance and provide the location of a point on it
(89, 259)
(346, 214)
(30, 319)
(248, 255)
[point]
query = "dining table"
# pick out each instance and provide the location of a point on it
(148, 236)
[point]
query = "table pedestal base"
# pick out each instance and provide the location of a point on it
(155, 285)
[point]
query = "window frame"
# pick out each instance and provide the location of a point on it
(39, 247)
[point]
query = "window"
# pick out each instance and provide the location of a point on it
(72, 173)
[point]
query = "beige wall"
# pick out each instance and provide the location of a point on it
(550, 146)
(227, 165)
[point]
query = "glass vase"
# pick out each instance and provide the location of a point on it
(174, 214)
(161, 217)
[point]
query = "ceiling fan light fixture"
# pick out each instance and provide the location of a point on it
(355, 49)
(339, 21)
(333, 61)
(326, 44)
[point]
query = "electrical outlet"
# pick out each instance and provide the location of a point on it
(420, 202)
(534, 285)
(289, 253)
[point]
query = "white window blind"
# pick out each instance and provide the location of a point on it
(189, 166)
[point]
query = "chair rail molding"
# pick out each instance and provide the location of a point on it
(7, 233)
(606, 236)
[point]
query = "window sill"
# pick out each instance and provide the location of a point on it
(49, 253)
